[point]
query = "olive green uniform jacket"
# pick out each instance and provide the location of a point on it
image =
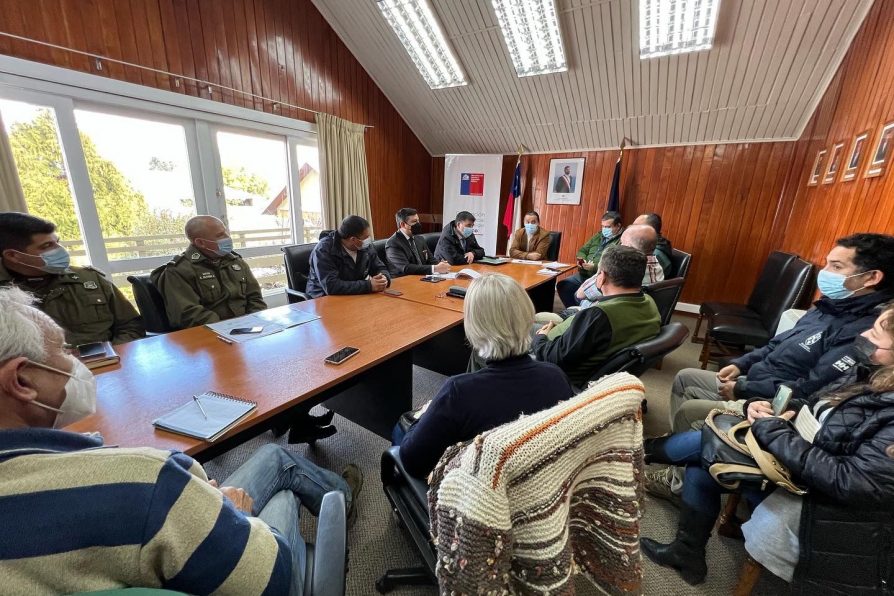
(197, 290)
(84, 303)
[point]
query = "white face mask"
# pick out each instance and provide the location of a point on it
(80, 395)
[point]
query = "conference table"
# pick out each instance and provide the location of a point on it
(284, 370)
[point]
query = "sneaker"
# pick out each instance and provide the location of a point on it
(658, 484)
(354, 478)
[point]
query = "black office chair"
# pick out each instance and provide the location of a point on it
(638, 358)
(665, 294)
(408, 496)
(297, 260)
(760, 294)
(730, 334)
(431, 240)
(680, 263)
(379, 245)
(327, 558)
(150, 303)
(554, 244)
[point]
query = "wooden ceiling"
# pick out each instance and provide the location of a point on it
(770, 64)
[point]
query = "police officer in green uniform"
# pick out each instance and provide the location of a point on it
(80, 299)
(208, 282)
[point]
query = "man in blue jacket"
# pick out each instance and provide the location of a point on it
(857, 280)
(344, 262)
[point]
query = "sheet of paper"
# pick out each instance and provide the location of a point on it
(526, 262)
(445, 275)
(547, 272)
(286, 316)
(272, 320)
(468, 273)
(806, 424)
(556, 265)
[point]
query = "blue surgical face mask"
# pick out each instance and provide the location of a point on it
(224, 246)
(467, 232)
(56, 260)
(531, 228)
(831, 285)
(607, 232)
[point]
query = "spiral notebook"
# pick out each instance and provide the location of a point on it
(218, 414)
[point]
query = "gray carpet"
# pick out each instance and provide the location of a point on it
(377, 542)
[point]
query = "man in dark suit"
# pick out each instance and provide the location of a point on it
(457, 244)
(564, 183)
(407, 253)
(344, 262)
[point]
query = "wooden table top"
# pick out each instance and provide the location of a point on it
(158, 374)
(434, 294)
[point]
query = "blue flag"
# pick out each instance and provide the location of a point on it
(614, 195)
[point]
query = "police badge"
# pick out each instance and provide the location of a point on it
(91, 285)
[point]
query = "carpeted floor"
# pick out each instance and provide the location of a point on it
(377, 542)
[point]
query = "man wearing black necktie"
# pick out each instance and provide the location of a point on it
(406, 252)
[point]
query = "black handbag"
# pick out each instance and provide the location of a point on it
(733, 457)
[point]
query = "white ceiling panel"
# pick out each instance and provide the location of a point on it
(770, 64)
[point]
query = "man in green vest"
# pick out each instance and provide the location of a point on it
(588, 256)
(622, 317)
(80, 299)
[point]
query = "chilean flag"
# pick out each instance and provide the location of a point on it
(513, 198)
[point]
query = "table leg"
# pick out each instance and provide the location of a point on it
(446, 353)
(543, 296)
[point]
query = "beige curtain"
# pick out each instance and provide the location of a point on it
(11, 196)
(345, 186)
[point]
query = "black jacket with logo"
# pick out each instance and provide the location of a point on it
(451, 249)
(333, 271)
(818, 350)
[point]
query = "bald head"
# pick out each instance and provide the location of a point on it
(206, 227)
(641, 237)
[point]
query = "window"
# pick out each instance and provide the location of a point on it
(34, 137)
(142, 188)
(120, 169)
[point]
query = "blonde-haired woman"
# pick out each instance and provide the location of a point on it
(844, 522)
(498, 318)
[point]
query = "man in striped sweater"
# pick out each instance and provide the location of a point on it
(75, 516)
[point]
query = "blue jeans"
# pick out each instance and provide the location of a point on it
(280, 482)
(700, 490)
(567, 287)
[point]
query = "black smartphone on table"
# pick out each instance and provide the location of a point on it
(342, 355)
(433, 279)
(246, 330)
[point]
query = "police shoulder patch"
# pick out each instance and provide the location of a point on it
(236, 267)
(91, 285)
(195, 256)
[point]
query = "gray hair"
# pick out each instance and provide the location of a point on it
(498, 317)
(22, 327)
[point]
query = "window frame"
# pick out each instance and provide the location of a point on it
(65, 90)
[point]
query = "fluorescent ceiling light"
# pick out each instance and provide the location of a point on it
(420, 33)
(531, 31)
(676, 26)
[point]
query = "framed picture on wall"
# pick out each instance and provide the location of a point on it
(834, 163)
(855, 156)
(817, 170)
(566, 179)
(878, 160)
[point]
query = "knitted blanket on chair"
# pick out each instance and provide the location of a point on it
(524, 507)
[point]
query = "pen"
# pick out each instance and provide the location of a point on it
(198, 403)
(225, 340)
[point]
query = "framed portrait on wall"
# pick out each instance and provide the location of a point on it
(855, 155)
(878, 160)
(834, 163)
(566, 179)
(817, 170)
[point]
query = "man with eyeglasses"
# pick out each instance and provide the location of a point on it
(80, 299)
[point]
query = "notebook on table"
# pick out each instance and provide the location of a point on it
(97, 355)
(218, 414)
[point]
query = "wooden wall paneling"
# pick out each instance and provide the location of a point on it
(281, 49)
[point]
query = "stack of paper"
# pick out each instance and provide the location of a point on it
(526, 262)
(272, 321)
(556, 265)
(545, 271)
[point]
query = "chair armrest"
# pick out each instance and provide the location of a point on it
(296, 296)
(330, 554)
(417, 486)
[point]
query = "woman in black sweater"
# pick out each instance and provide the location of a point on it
(498, 315)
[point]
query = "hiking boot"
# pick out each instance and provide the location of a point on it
(686, 554)
(658, 484)
(354, 478)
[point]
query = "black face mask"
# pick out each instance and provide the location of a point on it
(864, 350)
(416, 228)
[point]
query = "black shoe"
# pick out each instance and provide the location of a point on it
(310, 434)
(686, 554)
(322, 419)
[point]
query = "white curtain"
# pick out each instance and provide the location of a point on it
(11, 196)
(345, 186)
